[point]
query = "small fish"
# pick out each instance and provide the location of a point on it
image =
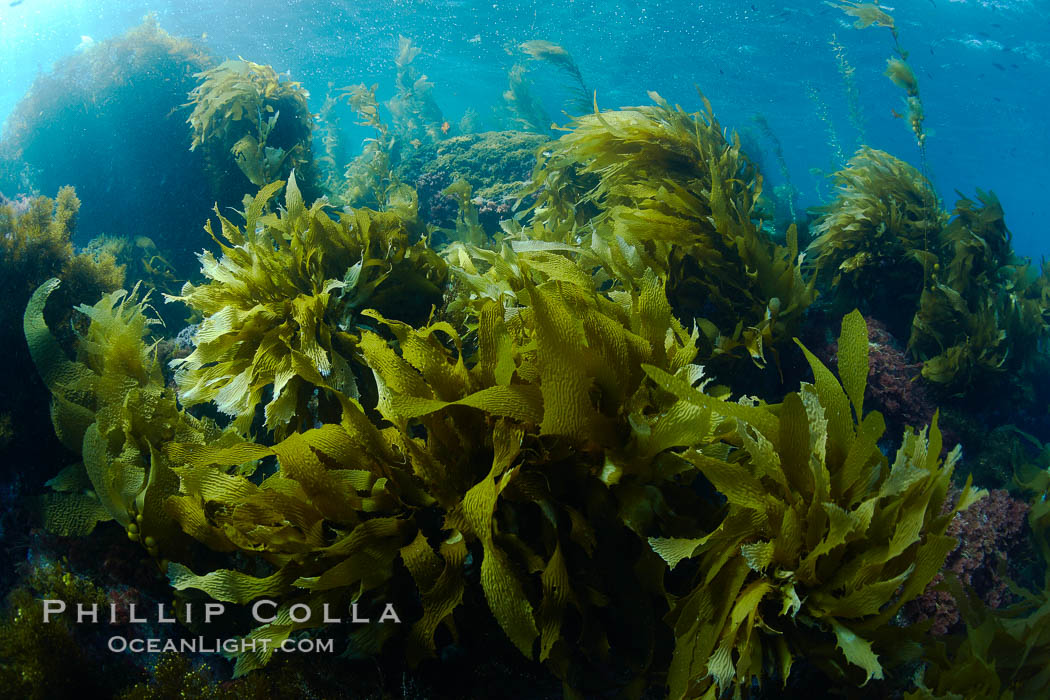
(999, 66)
(416, 143)
(896, 114)
(445, 126)
(476, 39)
(16, 3)
(204, 36)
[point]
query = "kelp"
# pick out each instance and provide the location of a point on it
(543, 451)
(415, 116)
(972, 309)
(236, 115)
(560, 58)
(35, 245)
(526, 109)
(867, 13)
(984, 312)
(823, 538)
(370, 178)
(142, 261)
(1004, 653)
(848, 73)
(666, 188)
(558, 406)
(898, 70)
(331, 166)
(111, 407)
(282, 304)
(416, 122)
(468, 228)
(879, 234)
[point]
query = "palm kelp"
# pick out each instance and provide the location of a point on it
(875, 244)
(237, 118)
(111, 407)
(669, 185)
(823, 536)
(475, 405)
(952, 282)
(525, 470)
(985, 312)
(552, 442)
(282, 304)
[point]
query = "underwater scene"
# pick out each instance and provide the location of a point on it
(408, 349)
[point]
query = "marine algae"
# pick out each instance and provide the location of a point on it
(111, 407)
(669, 186)
(282, 304)
(823, 536)
(236, 114)
(873, 242)
(532, 472)
(36, 244)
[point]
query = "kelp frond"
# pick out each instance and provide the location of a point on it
(867, 13)
(112, 408)
(545, 448)
(670, 190)
(902, 76)
(280, 303)
(823, 540)
(560, 58)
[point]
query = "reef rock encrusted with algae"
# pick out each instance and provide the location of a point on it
(122, 97)
(496, 164)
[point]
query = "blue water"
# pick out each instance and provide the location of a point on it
(983, 68)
